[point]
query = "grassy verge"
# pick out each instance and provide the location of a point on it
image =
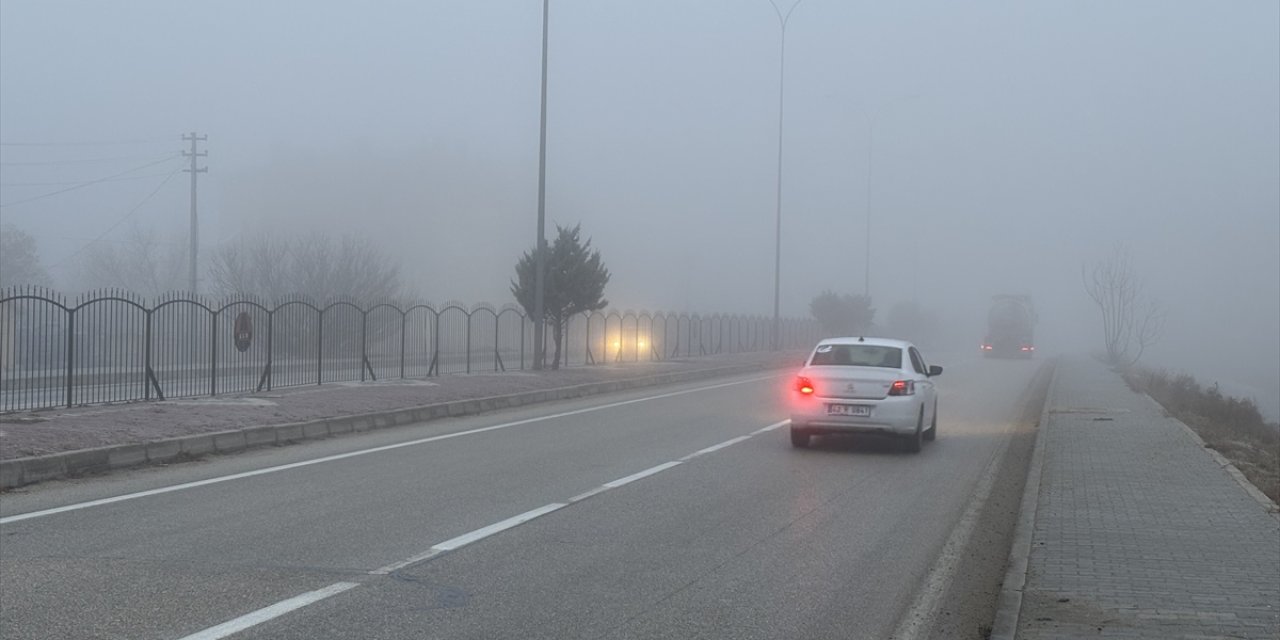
(1232, 426)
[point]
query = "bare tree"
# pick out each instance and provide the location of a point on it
(19, 262)
(1131, 322)
(314, 266)
(141, 263)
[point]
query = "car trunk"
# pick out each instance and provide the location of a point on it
(854, 383)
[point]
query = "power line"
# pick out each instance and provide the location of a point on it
(74, 161)
(95, 143)
(53, 184)
(89, 183)
(120, 221)
(82, 238)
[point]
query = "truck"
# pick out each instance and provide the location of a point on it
(1011, 321)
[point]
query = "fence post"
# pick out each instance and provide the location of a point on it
(688, 347)
(71, 351)
(146, 357)
(404, 315)
(364, 342)
(320, 348)
(271, 349)
(213, 354)
(522, 328)
(435, 344)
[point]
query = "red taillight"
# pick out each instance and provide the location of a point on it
(903, 388)
(804, 386)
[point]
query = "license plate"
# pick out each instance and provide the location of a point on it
(856, 410)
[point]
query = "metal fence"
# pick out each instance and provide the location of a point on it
(113, 346)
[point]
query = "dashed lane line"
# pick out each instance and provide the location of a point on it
(351, 454)
(297, 602)
(264, 614)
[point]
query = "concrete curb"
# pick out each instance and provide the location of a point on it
(1009, 605)
(1222, 462)
(19, 472)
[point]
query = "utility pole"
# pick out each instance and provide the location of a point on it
(540, 258)
(195, 227)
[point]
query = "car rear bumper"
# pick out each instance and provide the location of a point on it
(898, 416)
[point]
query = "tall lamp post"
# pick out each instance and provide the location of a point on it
(783, 18)
(540, 258)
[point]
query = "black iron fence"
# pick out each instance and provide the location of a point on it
(113, 346)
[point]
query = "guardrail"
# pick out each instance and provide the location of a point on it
(114, 346)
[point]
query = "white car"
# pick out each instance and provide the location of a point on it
(865, 385)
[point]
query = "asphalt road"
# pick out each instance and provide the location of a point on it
(638, 526)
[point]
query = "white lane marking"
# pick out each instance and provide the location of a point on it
(920, 617)
(715, 447)
(484, 532)
(267, 613)
(583, 496)
(643, 474)
(492, 529)
(351, 454)
(396, 566)
(771, 427)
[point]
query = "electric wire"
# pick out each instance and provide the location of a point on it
(120, 221)
(82, 185)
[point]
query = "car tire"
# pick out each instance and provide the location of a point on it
(932, 433)
(915, 442)
(800, 438)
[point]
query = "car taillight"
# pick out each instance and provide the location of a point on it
(804, 386)
(903, 388)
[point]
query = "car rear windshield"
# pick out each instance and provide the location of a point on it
(857, 355)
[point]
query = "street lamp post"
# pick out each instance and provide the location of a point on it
(783, 18)
(539, 260)
(866, 271)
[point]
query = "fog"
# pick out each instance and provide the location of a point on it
(1007, 144)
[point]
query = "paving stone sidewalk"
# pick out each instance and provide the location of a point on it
(79, 428)
(1139, 532)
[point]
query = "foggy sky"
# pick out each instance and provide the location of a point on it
(1013, 142)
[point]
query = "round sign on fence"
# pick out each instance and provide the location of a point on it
(243, 331)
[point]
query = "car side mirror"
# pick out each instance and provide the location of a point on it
(934, 370)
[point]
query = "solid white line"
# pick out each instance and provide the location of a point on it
(267, 613)
(715, 447)
(583, 496)
(771, 427)
(396, 566)
(352, 454)
(643, 474)
(484, 532)
(919, 618)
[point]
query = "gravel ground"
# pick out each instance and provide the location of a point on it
(52, 431)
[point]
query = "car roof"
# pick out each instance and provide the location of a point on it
(875, 342)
